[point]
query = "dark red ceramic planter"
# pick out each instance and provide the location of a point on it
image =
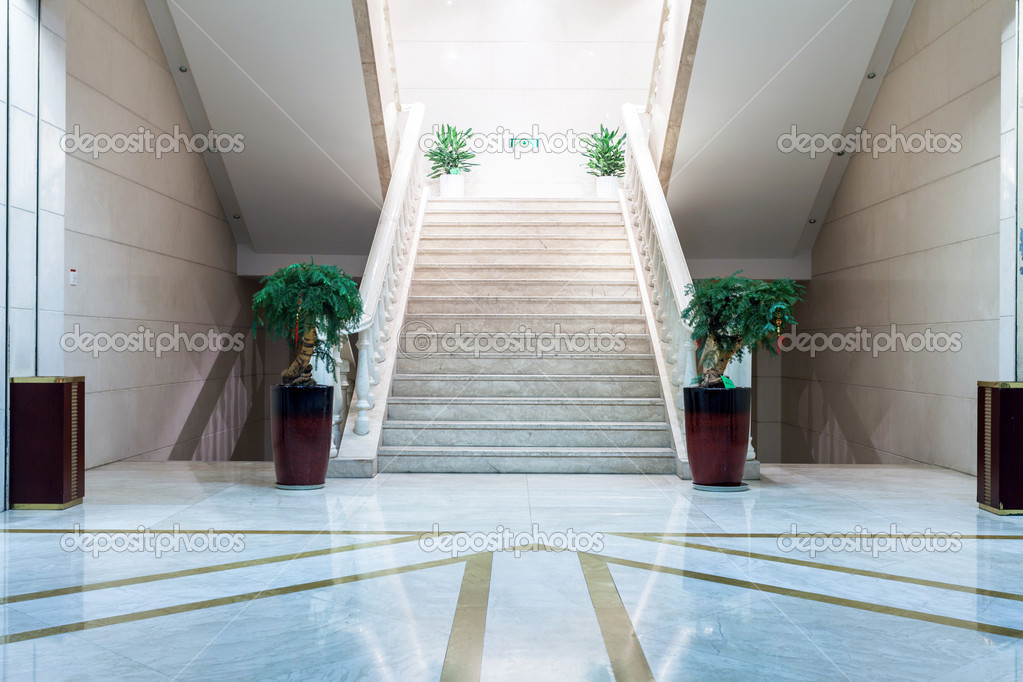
(300, 425)
(717, 434)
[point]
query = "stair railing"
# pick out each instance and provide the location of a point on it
(661, 253)
(387, 266)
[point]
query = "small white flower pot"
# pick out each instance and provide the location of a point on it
(607, 187)
(452, 186)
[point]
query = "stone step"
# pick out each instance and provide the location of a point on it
(524, 209)
(524, 304)
(419, 339)
(569, 219)
(546, 288)
(499, 256)
(512, 204)
(470, 230)
(472, 321)
(529, 242)
(502, 363)
(527, 385)
(443, 459)
(425, 408)
(535, 271)
(458, 434)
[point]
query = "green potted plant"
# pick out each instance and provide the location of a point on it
(732, 316)
(605, 153)
(312, 306)
(450, 156)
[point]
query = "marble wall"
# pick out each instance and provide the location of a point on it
(911, 240)
(154, 254)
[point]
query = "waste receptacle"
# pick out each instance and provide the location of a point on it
(47, 447)
(1000, 446)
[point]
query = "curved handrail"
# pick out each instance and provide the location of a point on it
(387, 263)
(659, 247)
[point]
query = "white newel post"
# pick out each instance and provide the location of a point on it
(741, 372)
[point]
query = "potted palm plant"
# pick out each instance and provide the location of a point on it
(312, 306)
(605, 153)
(450, 156)
(730, 316)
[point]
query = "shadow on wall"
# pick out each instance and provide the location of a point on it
(230, 395)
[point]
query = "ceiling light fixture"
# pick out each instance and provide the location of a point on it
(871, 74)
(813, 220)
(183, 69)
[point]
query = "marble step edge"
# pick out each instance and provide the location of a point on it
(524, 425)
(562, 356)
(608, 378)
(436, 222)
(426, 238)
(521, 400)
(493, 250)
(526, 210)
(552, 282)
(518, 451)
(499, 298)
(534, 265)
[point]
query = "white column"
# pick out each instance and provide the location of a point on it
(741, 373)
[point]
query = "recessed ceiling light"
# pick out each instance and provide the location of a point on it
(183, 69)
(237, 216)
(841, 153)
(871, 74)
(813, 220)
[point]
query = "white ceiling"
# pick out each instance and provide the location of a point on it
(760, 68)
(288, 77)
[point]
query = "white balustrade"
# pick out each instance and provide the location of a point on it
(386, 268)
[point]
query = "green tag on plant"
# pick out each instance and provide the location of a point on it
(727, 382)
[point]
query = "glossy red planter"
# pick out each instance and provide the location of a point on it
(717, 434)
(300, 425)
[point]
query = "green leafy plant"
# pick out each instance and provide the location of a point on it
(737, 314)
(302, 302)
(605, 151)
(450, 153)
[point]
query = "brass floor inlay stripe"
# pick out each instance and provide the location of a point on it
(822, 598)
(623, 648)
(767, 536)
(200, 570)
(222, 601)
(464, 657)
(772, 536)
(835, 567)
(204, 531)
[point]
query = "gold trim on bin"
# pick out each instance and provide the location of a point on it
(58, 506)
(1000, 512)
(1000, 384)
(46, 380)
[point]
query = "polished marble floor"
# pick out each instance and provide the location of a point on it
(621, 577)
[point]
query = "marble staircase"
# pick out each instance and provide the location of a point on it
(525, 345)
